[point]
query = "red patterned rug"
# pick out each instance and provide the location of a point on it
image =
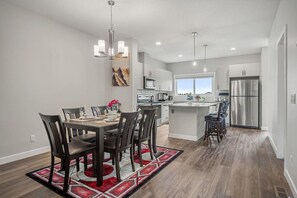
(83, 184)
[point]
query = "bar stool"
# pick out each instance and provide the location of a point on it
(214, 124)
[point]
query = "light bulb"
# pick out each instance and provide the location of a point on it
(205, 70)
(96, 51)
(194, 63)
(126, 52)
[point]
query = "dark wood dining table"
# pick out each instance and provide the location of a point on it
(99, 126)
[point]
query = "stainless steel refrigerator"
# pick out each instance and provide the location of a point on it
(244, 98)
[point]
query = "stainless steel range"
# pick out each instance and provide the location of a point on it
(149, 100)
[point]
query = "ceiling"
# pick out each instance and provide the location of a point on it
(222, 24)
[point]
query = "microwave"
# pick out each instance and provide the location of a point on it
(149, 83)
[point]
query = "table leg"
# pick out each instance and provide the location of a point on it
(99, 155)
(154, 136)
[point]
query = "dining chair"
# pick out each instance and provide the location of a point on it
(98, 110)
(145, 130)
(123, 140)
(60, 147)
(76, 134)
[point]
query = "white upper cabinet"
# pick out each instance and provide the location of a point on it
(163, 80)
(149, 71)
(223, 77)
(244, 70)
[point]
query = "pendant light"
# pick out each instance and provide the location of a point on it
(205, 65)
(194, 34)
(100, 49)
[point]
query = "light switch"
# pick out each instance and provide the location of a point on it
(293, 98)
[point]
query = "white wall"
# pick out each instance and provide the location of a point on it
(212, 66)
(44, 66)
(286, 15)
(265, 86)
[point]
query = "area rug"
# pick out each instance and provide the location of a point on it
(83, 184)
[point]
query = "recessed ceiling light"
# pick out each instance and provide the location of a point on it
(180, 55)
(158, 43)
(205, 70)
(232, 48)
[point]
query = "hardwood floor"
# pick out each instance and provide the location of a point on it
(242, 165)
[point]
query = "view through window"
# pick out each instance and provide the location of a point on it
(197, 85)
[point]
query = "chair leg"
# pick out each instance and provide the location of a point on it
(117, 166)
(52, 169)
(132, 158)
(66, 177)
(86, 162)
(206, 131)
(77, 164)
(218, 132)
(121, 155)
(139, 154)
(93, 161)
(151, 149)
(112, 158)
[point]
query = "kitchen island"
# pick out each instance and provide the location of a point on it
(186, 121)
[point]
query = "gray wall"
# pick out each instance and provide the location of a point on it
(44, 66)
(286, 15)
(212, 66)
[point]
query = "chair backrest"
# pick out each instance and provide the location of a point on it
(98, 110)
(56, 134)
(71, 113)
(146, 123)
(221, 109)
(126, 129)
(224, 112)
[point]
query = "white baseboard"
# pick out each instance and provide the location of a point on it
(18, 156)
(273, 144)
(291, 183)
(184, 137)
(264, 128)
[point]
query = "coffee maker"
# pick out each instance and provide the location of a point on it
(162, 96)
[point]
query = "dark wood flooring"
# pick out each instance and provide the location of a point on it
(243, 165)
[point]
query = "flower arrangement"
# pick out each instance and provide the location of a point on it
(114, 105)
(113, 102)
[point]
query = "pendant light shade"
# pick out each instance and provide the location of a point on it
(194, 63)
(205, 65)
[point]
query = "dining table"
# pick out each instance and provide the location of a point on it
(99, 125)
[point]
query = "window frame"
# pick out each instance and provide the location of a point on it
(193, 76)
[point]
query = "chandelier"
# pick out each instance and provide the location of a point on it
(194, 34)
(100, 49)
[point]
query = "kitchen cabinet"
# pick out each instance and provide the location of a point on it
(223, 78)
(244, 70)
(165, 112)
(149, 71)
(163, 80)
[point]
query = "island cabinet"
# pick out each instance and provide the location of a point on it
(186, 121)
(163, 79)
(244, 70)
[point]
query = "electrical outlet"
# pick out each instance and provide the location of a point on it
(32, 138)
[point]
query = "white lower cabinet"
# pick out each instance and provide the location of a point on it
(165, 113)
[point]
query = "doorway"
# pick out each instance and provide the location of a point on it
(281, 93)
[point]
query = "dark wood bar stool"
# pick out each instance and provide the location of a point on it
(214, 124)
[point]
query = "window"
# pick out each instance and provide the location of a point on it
(194, 85)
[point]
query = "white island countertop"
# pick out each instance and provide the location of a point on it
(194, 104)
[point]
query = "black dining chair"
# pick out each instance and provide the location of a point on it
(99, 110)
(145, 130)
(76, 134)
(123, 140)
(60, 147)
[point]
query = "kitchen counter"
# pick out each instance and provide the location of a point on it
(186, 121)
(194, 104)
